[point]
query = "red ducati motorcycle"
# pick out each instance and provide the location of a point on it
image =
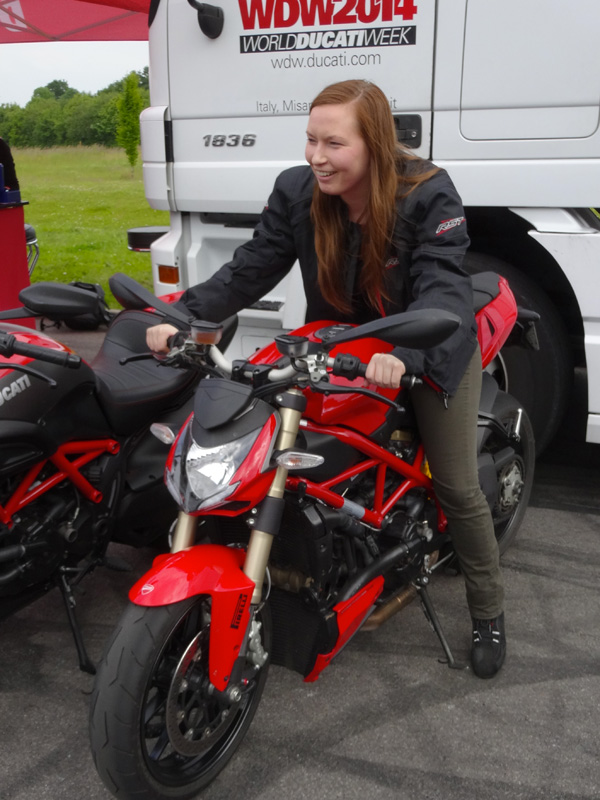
(79, 466)
(306, 512)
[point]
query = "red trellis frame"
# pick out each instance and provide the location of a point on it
(380, 459)
(66, 469)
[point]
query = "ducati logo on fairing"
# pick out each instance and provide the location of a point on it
(239, 611)
(13, 389)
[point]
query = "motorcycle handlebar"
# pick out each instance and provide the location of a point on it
(10, 345)
(343, 365)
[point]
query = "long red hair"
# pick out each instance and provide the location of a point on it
(394, 173)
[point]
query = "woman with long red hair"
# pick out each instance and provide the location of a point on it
(378, 230)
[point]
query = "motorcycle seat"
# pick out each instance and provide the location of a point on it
(485, 289)
(135, 393)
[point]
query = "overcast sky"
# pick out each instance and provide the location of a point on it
(86, 66)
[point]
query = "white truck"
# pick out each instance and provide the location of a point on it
(504, 95)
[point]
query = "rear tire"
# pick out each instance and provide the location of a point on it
(156, 729)
(540, 379)
(515, 478)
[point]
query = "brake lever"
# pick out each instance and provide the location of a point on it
(332, 389)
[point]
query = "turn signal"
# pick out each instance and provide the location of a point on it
(296, 459)
(162, 432)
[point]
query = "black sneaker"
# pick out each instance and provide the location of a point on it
(489, 646)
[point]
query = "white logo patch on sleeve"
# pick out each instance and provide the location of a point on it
(448, 224)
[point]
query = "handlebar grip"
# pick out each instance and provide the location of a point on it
(177, 339)
(10, 345)
(408, 381)
(347, 366)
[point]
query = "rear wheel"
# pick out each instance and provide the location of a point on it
(158, 730)
(540, 379)
(516, 462)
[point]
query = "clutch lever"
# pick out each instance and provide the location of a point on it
(137, 357)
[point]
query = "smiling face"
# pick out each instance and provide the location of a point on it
(338, 155)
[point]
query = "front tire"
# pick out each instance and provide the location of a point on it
(156, 728)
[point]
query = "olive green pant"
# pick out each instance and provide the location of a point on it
(450, 439)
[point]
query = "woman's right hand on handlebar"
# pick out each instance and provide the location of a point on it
(157, 337)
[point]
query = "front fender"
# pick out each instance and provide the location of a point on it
(208, 569)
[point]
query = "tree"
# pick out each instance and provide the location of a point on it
(10, 114)
(107, 117)
(39, 125)
(56, 114)
(47, 123)
(144, 78)
(129, 106)
(58, 88)
(42, 93)
(79, 117)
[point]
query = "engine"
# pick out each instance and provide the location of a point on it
(56, 529)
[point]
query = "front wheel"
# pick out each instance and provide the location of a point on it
(157, 728)
(515, 464)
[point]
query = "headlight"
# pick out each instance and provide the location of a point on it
(210, 469)
(200, 477)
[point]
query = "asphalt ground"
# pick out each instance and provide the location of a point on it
(386, 719)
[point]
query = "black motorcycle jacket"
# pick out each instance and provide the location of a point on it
(423, 270)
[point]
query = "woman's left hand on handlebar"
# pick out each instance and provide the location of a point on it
(385, 370)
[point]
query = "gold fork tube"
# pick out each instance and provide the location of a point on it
(184, 534)
(259, 546)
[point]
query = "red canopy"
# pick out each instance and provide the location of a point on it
(72, 20)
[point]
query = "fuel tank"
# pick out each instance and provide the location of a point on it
(43, 405)
(350, 410)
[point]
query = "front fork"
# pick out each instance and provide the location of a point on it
(267, 519)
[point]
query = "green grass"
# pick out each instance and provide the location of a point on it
(82, 200)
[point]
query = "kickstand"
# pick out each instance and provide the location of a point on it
(432, 618)
(85, 664)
